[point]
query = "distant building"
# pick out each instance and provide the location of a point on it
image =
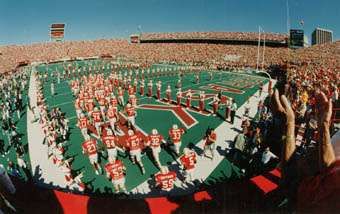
(305, 41)
(320, 36)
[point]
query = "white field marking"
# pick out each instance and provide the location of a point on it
(197, 112)
(51, 97)
(205, 166)
(61, 104)
(50, 173)
(207, 87)
(186, 126)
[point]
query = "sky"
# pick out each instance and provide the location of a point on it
(28, 21)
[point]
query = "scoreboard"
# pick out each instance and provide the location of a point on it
(296, 38)
(57, 32)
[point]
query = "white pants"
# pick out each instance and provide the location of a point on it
(112, 153)
(131, 119)
(93, 159)
(136, 154)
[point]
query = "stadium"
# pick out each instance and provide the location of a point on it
(177, 122)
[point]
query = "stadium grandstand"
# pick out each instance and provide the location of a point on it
(178, 122)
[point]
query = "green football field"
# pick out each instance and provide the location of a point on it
(241, 87)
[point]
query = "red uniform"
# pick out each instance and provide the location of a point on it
(189, 161)
(201, 103)
(130, 111)
(155, 140)
(115, 170)
(102, 101)
(111, 113)
(150, 91)
(134, 142)
(89, 147)
(96, 115)
(158, 92)
(176, 134)
(215, 106)
(168, 95)
(211, 139)
(178, 99)
(188, 101)
(131, 91)
(89, 105)
(110, 141)
(166, 181)
(114, 102)
(141, 89)
(83, 123)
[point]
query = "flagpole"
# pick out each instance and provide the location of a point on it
(288, 36)
(258, 50)
(264, 48)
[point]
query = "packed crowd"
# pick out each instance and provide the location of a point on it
(237, 36)
(196, 54)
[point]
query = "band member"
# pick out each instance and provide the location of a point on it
(168, 94)
(150, 88)
(215, 104)
(189, 97)
(179, 96)
(158, 86)
(141, 87)
(201, 101)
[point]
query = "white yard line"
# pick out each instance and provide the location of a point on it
(49, 174)
(205, 166)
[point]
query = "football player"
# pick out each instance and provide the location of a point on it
(176, 134)
(90, 148)
(97, 120)
(110, 141)
(154, 142)
(83, 123)
(115, 171)
(165, 179)
(188, 161)
(131, 114)
(120, 96)
(133, 144)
